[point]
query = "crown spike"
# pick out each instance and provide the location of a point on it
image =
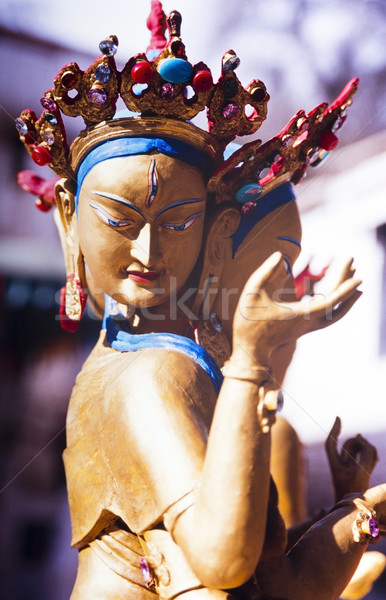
(174, 21)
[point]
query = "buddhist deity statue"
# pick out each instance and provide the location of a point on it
(189, 259)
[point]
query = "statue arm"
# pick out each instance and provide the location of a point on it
(222, 534)
(322, 563)
(163, 427)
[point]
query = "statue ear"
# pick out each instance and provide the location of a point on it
(218, 249)
(218, 243)
(73, 295)
(65, 202)
(67, 225)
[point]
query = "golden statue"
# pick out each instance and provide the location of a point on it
(189, 259)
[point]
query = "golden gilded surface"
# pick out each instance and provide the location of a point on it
(37, 130)
(73, 302)
(152, 449)
(220, 108)
(144, 126)
(75, 100)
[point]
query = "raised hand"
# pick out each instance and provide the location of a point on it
(351, 467)
(263, 322)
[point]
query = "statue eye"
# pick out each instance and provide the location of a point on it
(108, 219)
(182, 226)
(287, 265)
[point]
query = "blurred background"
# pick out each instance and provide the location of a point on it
(305, 51)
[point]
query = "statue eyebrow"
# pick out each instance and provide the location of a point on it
(120, 200)
(289, 239)
(192, 201)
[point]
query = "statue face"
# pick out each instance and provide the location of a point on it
(141, 222)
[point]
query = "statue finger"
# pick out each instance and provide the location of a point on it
(331, 442)
(348, 271)
(360, 451)
(324, 312)
(368, 457)
(343, 308)
(338, 295)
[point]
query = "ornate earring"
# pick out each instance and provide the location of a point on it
(73, 300)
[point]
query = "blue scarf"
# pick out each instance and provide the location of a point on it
(119, 337)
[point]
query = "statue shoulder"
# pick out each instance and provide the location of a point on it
(163, 376)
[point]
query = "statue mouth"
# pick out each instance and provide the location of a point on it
(143, 277)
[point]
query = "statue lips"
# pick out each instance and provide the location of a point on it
(142, 277)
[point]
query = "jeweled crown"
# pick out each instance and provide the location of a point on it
(168, 87)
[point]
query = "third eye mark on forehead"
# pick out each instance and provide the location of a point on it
(120, 200)
(153, 184)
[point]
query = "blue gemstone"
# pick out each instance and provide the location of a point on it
(108, 47)
(175, 70)
(323, 154)
(51, 119)
(230, 88)
(248, 193)
(103, 73)
(21, 126)
(231, 64)
(215, 321)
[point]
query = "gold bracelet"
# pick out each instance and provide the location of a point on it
(365, 526)
(258, 374)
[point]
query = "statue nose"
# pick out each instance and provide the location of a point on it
(142, 246)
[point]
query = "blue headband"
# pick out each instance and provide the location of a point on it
(129, 146)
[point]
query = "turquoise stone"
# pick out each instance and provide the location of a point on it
(248, 192)
(175, 70)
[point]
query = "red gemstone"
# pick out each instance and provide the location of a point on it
(328, 141)
(68, 80)
(202, 81)
(41, 205)
(278, 165)
(141, 72)
(41, 156)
